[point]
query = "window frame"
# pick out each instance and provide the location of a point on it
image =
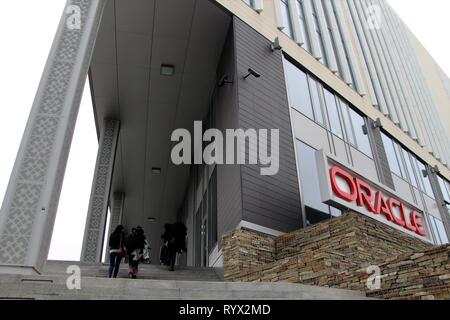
(327, 108)
(385, 137)
(310, 106)
(360, 148)
(332, 212)
(444, 185)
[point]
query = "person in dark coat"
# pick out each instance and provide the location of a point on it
(175, 239)
(135, 244)
(166, 236)
(116, 250)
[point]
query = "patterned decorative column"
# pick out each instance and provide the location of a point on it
(116, 211)
(101, 187)
(29, 209)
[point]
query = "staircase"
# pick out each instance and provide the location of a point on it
(156, 283)
(146, 271)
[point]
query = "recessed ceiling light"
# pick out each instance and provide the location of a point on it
(167, 70)
(151, 219)
(156, 170)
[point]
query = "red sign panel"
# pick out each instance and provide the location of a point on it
(353, 190)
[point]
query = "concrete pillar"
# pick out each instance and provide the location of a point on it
(116, 210)
(29, 208)
(101, 187)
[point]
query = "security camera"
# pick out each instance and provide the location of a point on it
(252, 72)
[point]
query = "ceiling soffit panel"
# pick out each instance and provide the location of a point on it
(171, 38)
(188, 34)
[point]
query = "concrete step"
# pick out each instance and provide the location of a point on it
(146, 271)
(54, 287)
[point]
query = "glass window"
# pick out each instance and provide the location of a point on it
(212, 212)
(316, 210)
(303, 26)
(333, 113)
(440, 235)
(409, 168)
(314, 91)
(286, 17)
(348, 123)
(391, 155)
(445, 188)
(362, 139)
(249, 2)
(298, 90)
(398, 152)
(436, 237)
(448, 189)
(423, 177)
(441, 231)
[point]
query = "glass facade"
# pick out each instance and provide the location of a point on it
(362, 139)
(315, 210)
(392, 155)
(438, 229)
(424, 181)
(407, 166)
(315, 88)
(312, 99)
(298, 90)
(333, 113)
(445, 188)
(309, 97)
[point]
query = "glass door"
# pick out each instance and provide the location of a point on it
(198, 237)
(204, 243)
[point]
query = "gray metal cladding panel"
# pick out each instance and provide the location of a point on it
(229, 198)
(385, 172)
(269, 201)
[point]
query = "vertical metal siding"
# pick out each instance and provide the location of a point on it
(298, 36)
(310, 29)
(269, 201)
(323, 25)
(340, 18)
(379, 65)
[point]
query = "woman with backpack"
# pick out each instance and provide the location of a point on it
(135, 244)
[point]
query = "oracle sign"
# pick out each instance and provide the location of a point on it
(345, 188)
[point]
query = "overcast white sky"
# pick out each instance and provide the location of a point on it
(27, 28)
